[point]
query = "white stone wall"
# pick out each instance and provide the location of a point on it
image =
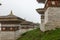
(0, 35)
(42, 27)
(46, 17)
(52, 18)
(17, 34)
(9, 35)
(12, 35)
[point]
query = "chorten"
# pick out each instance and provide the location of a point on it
(9, 27)
(50, 15)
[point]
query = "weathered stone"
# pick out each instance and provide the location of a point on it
(53, 18)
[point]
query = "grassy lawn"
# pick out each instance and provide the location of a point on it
(38, 35)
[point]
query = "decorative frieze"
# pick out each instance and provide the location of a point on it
(4, 29)
(52, 3)
(9, 25)
(9, 28)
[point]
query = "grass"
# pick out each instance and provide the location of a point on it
(52, 35)
(36, 34)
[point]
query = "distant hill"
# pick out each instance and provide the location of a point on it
(36, 34)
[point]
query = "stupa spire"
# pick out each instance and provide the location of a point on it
(11, 13)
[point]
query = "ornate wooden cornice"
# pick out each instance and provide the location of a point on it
(40, 10)
(41, 1)
(52, 3)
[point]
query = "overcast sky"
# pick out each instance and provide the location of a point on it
(21, 8)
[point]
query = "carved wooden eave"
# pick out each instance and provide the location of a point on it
(25, 23)
(41, 1)
(52, 3)
(40, 10)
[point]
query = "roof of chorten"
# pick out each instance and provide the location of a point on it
(25, 22)
(10, 17)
